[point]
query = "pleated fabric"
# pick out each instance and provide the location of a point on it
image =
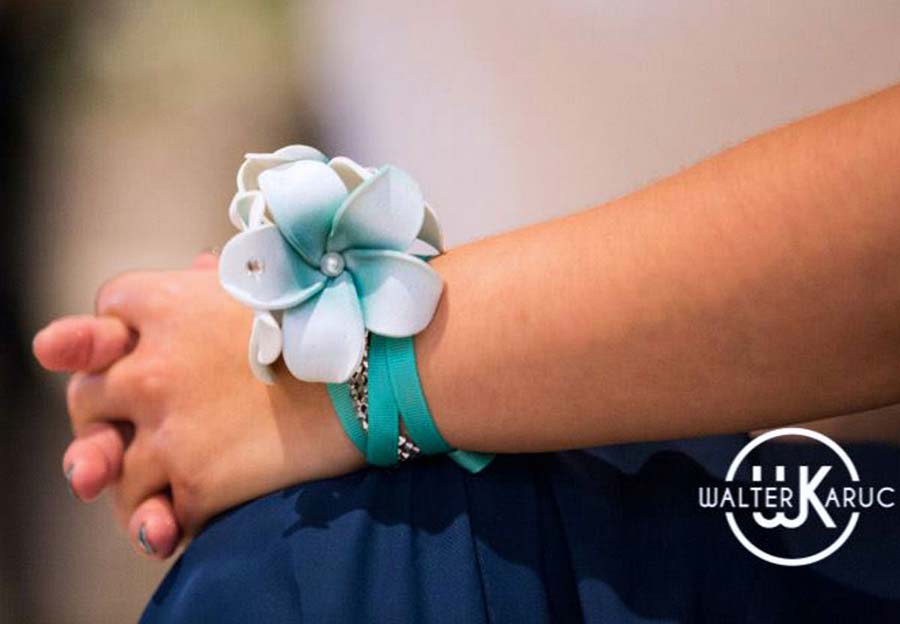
(602, 535)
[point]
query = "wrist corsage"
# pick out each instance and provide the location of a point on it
(323, 259)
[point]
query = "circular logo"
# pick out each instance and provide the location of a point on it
(807, 497)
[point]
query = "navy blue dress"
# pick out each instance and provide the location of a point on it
(612, 534)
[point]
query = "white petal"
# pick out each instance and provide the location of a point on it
(265, 346)
(398, 292)
(303, 198)
(247, 210)
(352, 174)
(255, 164)
(385, 212)
(267, 335)
(431, 230)
(263, 372)
(324, 337)
(261, 270)
(299, 152)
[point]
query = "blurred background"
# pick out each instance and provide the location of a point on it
(123, 122)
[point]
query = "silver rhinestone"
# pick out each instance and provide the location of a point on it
(359, 394)
(332, 264)
(255, 266)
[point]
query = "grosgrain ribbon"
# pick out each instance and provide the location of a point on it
(404, 375)
(407, 388)
(394, 391)
(384, 419)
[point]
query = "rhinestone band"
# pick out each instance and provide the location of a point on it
(359, 394)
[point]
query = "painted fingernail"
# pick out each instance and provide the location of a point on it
(69, 472)
(144, 542)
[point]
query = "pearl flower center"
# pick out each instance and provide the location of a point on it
(332, 264)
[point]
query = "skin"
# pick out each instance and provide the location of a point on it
(171, 465)
(756, 289)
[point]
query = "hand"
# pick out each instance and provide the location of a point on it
(174, 368)
(93, 460)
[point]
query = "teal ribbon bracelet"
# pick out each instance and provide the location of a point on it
(407, 389)
(401, 357)
(384, 421)
(395, 391)
(323, 258)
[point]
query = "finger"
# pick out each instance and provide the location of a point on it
(206, 260)
(91, 402)
(153, 528)
(131, 296)
(128, 391)
(94, 460)
(85, 343)
(142, 477)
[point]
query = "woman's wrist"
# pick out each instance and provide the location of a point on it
(306, 420)
(325, 258)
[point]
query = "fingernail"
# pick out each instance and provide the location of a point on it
(69, 472)
(142, 540)
(214, 250)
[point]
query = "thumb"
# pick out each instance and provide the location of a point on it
(82, 343)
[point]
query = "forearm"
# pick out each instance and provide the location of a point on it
(757, 288)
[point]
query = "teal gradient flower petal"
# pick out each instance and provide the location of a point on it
(398, 292)
(303, 198)
(255, 164)
(261, 270)
(353, 174)
(384, 212)
(324, 337)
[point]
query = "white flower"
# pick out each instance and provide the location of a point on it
(331, 263)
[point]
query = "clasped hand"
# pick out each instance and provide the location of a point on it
(167, 415)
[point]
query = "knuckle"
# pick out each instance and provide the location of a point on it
(151, 385)
(148, 381)
(153, 290)
(111, 292)
(171, 288)
(159, 299)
